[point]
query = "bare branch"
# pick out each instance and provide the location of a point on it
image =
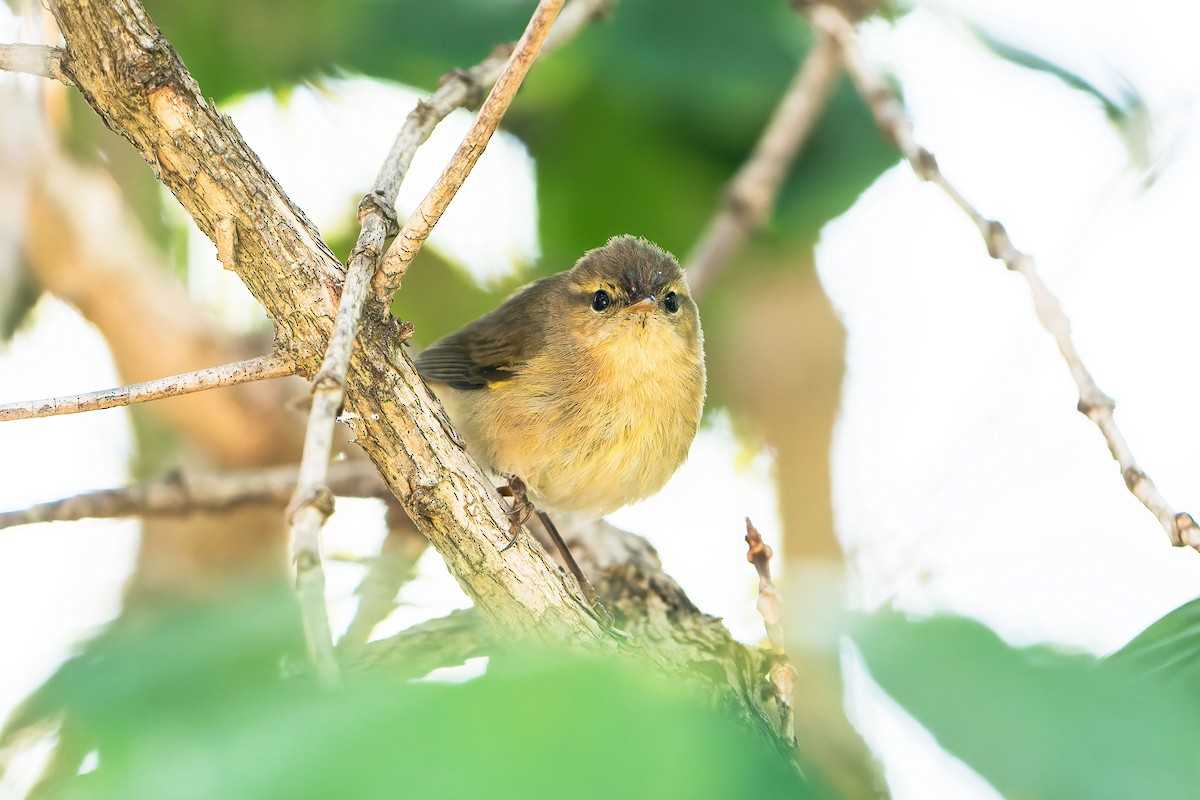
(782, 674)
(465, 89)
(183, 494)
(35, 59)
(750, 196)
(254, 369)
(769, 605)
(313, 503)
(889, 115)
(652, 608)
(405, 247)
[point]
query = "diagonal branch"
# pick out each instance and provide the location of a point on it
(750, 197)
(313, 503)
(466, 89)
(35, 59)
(128, 72)
(406, 245)
(1093, 403)
(254, 369)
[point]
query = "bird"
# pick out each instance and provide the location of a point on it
(586, 387)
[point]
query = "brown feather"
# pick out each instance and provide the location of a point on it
(592, 409)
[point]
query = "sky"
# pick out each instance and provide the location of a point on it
(964, 480)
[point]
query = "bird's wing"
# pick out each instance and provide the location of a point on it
(490, 350)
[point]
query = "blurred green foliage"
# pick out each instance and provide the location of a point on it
(1037, 722)
(192, 706)
(635, 126)
(190, 703)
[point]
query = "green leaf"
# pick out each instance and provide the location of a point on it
(1037, 722)
(192, 706)
(1168, 649)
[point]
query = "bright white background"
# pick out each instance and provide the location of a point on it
(964, 480)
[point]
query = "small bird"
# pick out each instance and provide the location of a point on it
(587, 385)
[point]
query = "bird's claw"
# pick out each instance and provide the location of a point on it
(520, 511)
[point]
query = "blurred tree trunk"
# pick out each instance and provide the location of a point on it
(88, 249)
(782, 364)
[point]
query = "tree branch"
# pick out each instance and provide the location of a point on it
(126, 69)
(254, 369)
(414, 652)
(770, 606)
(183, 494)
(457, 89)
(406, 245)
(750, 196)
(35, 59)
(1093, 403)
(313, 503)
(466, 89)
(665, 629)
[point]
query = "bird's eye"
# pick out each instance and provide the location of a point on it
(671, 302)
(601, 300)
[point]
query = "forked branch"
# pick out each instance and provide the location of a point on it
(313, 503)
(406, 245)
(127, 71)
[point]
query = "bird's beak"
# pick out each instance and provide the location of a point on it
(643, 306)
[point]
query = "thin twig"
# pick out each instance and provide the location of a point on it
(419, 225)
(313, 503)
(750, 196)
(1093, 403)
(782, 674)
(35, 59)
(254, 369)
(467, 88)
(182, 494)
(769, 606)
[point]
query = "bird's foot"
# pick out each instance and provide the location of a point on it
(519, 512)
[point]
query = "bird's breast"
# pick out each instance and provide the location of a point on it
(600, 426)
